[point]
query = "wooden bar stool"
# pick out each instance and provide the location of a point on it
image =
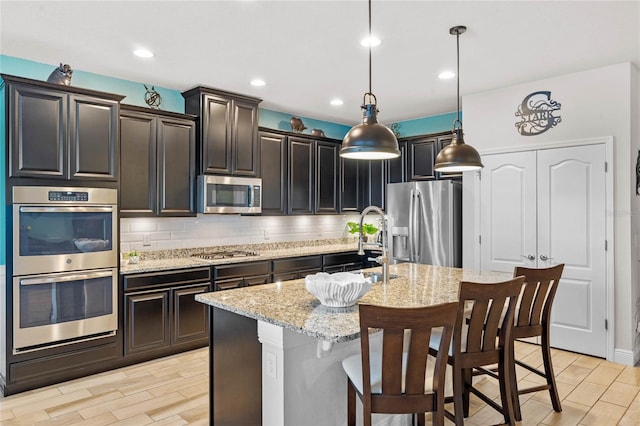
(483, 337)
(396, 380)
(533, 318)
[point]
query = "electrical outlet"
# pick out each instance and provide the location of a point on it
(271, 368)
(146, 239)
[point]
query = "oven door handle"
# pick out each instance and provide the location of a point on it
(58, 209)
(64, 278)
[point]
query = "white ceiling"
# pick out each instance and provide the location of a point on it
(309, 51)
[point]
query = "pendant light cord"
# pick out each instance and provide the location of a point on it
(370, 91)
(458, 73)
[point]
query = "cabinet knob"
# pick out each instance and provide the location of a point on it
(528, 257)
(543, 257)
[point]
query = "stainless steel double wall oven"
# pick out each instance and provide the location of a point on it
(64, 265)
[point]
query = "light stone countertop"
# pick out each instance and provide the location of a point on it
(288, 304)
(184, 260)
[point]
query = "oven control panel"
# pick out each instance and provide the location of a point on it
(68, 196)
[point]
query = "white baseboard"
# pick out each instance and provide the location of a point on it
(622, 356)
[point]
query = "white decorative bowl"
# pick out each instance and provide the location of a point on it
(89, 244)
(337, 290)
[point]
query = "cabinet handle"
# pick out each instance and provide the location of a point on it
(528, 257)
(543, 257)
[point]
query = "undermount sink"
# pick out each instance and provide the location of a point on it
(377, 276)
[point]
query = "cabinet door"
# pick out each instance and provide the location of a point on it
(422, 155)
(326, 188)
(300, 182)
(397, 167)
(147, 322)
(190, 318)
(137, 164)
(176, 175)
(349, 185)
(245, 138)
(215, 149)
(372, 183)
(94, 138)
(273, 171)
(37, 132)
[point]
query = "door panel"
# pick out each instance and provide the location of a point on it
(572, 230)
(508, 216)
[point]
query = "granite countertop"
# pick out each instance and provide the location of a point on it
(183, 258)
(288, 304)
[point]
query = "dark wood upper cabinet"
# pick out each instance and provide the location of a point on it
(227, 141)
(327, 177)
(273, 171)
(301, 173)
(158, 163)
(350, 199)
(421, 156)
(61, 132)
(397, 167)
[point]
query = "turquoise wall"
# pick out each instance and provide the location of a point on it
(172, 100)
(426, 125)
(280, 120)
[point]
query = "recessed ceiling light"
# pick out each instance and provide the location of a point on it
(373, 41)
(446, 75)
(336, 102)
(258, 82)
(143, 53)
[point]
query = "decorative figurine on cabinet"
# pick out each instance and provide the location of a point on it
(297, 125)
(61, 75)
(318, 132)
(152, 97)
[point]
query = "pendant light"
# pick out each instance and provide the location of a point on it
(370, 140)
(458, 156)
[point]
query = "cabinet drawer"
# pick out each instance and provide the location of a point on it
(167, 278)
(341, 259)
(259, 280)
(297, 264)
(242, 270)
(228, 284)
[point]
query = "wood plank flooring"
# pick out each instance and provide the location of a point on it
(174, 391)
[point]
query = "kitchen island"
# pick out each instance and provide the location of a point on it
(275, 352)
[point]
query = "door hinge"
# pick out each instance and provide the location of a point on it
(606, 245)
(479, 239)
(606, 167)
(606, 324)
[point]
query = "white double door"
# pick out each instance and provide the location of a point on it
(544, 207)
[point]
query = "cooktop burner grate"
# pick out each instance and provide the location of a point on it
(225, 254)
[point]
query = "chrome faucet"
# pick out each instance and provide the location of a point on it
(383, 259)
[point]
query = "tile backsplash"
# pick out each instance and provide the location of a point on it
(215, 230)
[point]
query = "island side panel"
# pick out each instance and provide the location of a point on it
(235, 357)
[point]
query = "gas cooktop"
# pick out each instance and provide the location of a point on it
(225, 254)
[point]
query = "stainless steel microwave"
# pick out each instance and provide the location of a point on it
(229, 194)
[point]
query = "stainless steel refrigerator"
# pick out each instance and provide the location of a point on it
(425, 222)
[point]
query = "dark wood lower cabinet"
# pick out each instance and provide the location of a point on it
(161, 315)
(147, 321)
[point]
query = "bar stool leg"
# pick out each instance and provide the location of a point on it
(548, 371)
(351, 404)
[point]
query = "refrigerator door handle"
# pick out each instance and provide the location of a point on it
(411, 225)
(416, 217)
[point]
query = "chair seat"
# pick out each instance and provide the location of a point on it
(353, 367)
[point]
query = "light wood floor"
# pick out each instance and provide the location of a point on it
(173, 391)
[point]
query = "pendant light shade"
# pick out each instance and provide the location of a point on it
(370, 140)
(458, 156)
